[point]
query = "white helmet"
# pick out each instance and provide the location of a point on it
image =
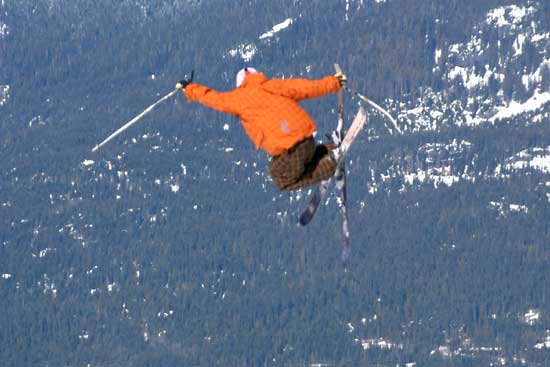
(243, 73)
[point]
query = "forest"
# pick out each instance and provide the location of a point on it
(174, 248)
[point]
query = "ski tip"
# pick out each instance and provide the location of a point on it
(304, 220)
(95, 148)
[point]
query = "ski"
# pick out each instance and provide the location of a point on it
(343, 142)
(322, 188)
(321, 191)
(340, 174)
(316, 198)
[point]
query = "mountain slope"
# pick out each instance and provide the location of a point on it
(172, 246)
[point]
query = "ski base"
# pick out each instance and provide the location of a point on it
(314, 202)
(322, 189)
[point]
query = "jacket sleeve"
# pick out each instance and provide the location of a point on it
(221, 101)
(299, 89)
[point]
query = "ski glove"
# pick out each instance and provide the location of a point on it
(342, 79)
(182, 84)
(185, 82)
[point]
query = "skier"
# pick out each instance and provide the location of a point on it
(275, 122)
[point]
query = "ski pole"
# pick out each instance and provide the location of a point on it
(377, 107)
(180, 85)
(134, 120)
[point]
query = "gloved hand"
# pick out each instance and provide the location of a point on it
(342, 79)
(182, 84)
(185, 82)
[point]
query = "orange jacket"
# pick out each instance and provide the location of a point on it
(268, 109)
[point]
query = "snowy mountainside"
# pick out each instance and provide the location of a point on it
(171, 246)
(503, 71)
(500, 76)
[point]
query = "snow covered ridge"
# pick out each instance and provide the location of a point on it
(504, 70)
(247, 51)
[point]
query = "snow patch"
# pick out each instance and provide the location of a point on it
(4, 94)
(37, 120)
(511, 15)
(531, 317)
(519, 208)
(434, 163)
(518, 44)
(503, 209)
(379, 343)
(164, 314)
(4, 29)
(276, 28)
(247, 51)
(45, 252)
(470, 79)
(535, 158)
(542, 163)
(540, 37)
(537, 101)
(437, 55)
(545, 344)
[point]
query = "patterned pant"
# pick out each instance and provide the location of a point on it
(302, 165)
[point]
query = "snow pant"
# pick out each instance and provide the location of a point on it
(302, 165)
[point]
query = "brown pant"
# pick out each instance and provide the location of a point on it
(302, 165)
